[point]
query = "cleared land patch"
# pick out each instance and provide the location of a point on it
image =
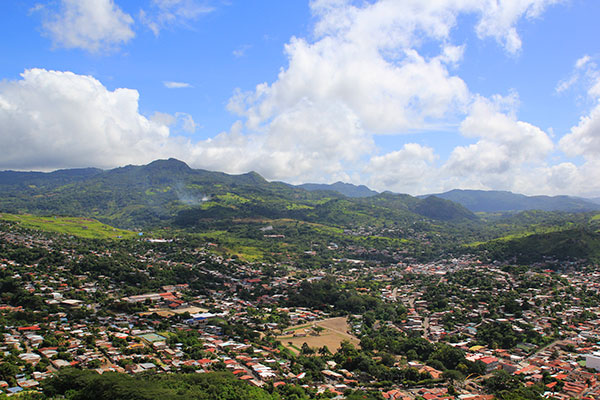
(335, 330)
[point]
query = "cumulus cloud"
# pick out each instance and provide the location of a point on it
(91, 25)
(504, 147)
(362, 72)
(366, 56)
(409, 170)
(499, 18)
(61, 119)
(165, 13)
(366, 59)
(584, 138)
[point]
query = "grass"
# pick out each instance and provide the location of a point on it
(231, 199)
(83, 227)
(519, 235)
(230, 244)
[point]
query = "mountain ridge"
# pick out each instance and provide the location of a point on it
(163, 191)
(505, 201)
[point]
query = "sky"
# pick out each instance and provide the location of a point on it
(410, 96)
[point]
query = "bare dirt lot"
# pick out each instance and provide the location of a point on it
(163, 312)
(335, 330)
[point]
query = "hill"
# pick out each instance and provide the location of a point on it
(170, 193)
(347, 189)
(238, 212)
(566, 245)
(501, 201)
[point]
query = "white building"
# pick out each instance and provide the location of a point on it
(593, 361)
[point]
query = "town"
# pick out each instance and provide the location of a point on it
(454, 328)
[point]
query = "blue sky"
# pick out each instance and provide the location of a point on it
(402, 95)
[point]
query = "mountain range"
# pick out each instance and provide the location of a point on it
(480, 200)
(234, 209)
(499, 201)
(170, 192)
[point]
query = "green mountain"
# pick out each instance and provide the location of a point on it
(500, 201)
(566, 245)
(233, 210)
(347, 189)
(169, 192)
(16, 178)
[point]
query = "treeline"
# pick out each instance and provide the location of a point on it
(76, 384)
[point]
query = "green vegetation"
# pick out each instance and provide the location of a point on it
(570, 244)
(87, 385)
(234, 211)
(82, 227)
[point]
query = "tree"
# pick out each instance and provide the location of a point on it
(8, 371)
(502, 381)
(324, 351)
(306, 349)
(318, 329)
(453, 376)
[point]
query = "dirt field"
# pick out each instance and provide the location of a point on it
(163, 312)
(335, 330)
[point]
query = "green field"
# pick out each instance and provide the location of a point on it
(521, 235)
(82, 227)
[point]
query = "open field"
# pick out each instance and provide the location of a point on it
(82, 227)
(335, 331)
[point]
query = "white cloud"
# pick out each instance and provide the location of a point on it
(362, 73)
(161, 118)
(91, 25)
(181, 121)
(584, 139)
(241, 51)
(176, 85)
(366, 59)
(581, 62)
(505, 147)
(499, 19)
(59, 119)
(585, 70)
(409, 170)
(165, 13)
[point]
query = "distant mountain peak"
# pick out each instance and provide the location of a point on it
(171, 163)
(253, 176)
